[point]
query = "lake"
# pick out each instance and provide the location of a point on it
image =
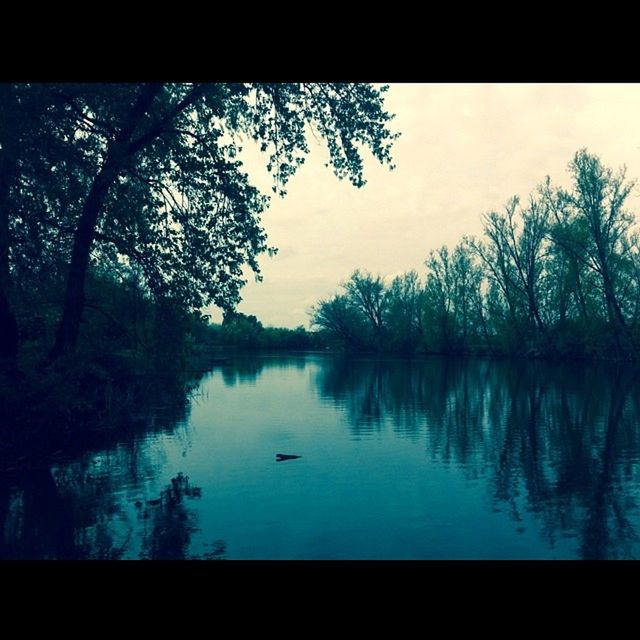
(399, 459)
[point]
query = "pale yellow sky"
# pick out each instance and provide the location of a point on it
(464, 150)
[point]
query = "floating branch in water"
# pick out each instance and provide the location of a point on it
(280, 457)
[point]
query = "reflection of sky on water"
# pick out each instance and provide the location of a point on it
(420, 459)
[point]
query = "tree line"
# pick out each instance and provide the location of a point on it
(556, 275)
(246, 332)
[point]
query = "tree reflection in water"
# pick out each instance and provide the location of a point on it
(168, 524)
(556, 443)
(78, 516)
(74, 507)
(559, 441)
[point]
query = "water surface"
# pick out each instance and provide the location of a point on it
(400, 459)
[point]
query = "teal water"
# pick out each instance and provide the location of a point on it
(400, 459)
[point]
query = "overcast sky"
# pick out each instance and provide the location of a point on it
(464, 150)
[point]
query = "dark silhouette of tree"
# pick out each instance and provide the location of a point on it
(366, 293)
(514, 259)
(8, 324)
(169, 192)
(453, 315)
(148, 177)
(27, 186)
(439, 298)
(404, 312)
(341, 320)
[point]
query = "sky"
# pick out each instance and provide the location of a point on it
(464, 150)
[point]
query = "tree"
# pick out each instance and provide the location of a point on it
(358, 317)
(593, 226)
(158, 181)
(501, 272)
(404, 311)
(573, 296)
(8, 325)
(241, 330)
(514, 258)
(467, 281)
(454, 317)
(24, 135)
(558, 275)
(367, 294)
(527, 250)
(439, 300)
(341, 320)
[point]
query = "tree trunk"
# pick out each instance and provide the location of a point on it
(541, 327)
(483, 322)
(8, 324)
(69, 327)
(8, 330)
(582, 304)
(623, 336)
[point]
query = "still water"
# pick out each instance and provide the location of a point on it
(400, 459)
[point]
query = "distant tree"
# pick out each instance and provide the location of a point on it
(467, 278)
(337, 316)
(439, 300)
(515, 259)
(593, 226)
(558, 275)
(404, 311)
(453, 313)
(496, 257)
(367, 294)
(233, 317)
(574, 297)
(241, 330)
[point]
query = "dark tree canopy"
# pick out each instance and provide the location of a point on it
(148, 177)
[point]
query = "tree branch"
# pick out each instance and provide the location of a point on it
(156, 129)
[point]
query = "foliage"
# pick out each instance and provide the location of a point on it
(556, 276)
(240, 331)
(148, 179)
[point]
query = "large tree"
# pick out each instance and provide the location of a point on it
(152, 175)
(358, 317)
(404, 312)
(367, 293)
(25, 125)
(8, 143)
(514, 258)
(594, 227)
(453, 309)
